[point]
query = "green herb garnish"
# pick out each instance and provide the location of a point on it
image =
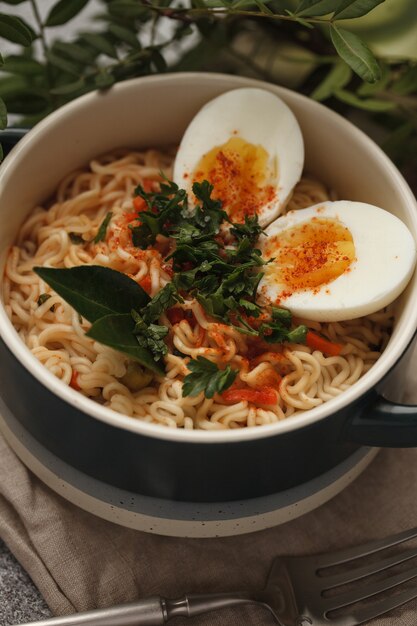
(150, 336)
(163, 300)
(278, 330)
(43, 298)
(95, 291)
(250, 230)
(101, 234)
(224, 280)
(116, 331)
(206, 376)
(165, 208)
(76, 239)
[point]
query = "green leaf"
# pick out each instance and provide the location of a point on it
(371, 89)
(297, 335)
(317, 8)
(101, 234)
(357, 9)
(158, 60)
(283, 316)
(339, 76)
(101, 43)
(15, 29)
(11, 86)
(116, 331)
(250, 229)
(299, 20)
(75, 52)
(95, 291)
(69, 88)
(63, 11)
(31, 119)
(395, 143)
(369, 104)
(356, 54)
(104, 80)
(3, 115)
(164, 299)
(278, 332)
(1, 153)
(27, 102)
(407, 82)
(151, 337)
(250, 308)
(63, 64)
(127, 8)
(206, 376)
(125, 35)
(22, 65)
(263, 8)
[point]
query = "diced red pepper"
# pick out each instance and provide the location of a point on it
(175, 315)
(74, 381)
(267, 395)
(316, 342)
(148, 185)
(139, 203)
(146, 283)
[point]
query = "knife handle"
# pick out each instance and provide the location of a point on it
(153, 611)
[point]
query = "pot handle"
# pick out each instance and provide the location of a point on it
(385, 424)
(10, 137)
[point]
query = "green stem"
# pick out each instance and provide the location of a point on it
(248, 62)
(40, 26)
(53, 99)
(186, 14)
(408, 102)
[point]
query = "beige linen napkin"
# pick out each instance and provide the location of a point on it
(81, 562)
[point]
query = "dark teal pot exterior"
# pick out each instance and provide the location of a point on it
(191, 472)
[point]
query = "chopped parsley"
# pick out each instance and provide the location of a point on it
(150, 336)
(43, 298)
(101, 234)
(164, 299)
(76, 239)
(206, 376)
(214, 261)
(279, 330)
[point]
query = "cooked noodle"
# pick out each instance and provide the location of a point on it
(55, 334)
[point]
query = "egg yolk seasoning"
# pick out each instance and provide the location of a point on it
(241, 176)
(309, 255)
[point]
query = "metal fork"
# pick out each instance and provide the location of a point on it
(296, 593)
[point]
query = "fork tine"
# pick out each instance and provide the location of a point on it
(361, 572)
(369, 612)
(367, 591)
(342, 556)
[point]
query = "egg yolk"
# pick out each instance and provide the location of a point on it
(240, 175)
(309, 255)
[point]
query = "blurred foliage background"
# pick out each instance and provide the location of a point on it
(357, 56)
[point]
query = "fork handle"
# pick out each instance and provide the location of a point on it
(152, 611)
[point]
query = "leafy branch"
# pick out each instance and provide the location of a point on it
(250, 37)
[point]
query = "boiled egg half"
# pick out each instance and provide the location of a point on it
(336, 260)
(248, 145)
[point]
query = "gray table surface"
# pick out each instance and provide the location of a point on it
(20, 601)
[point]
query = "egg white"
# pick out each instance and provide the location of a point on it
(260, 118)
(385, 259)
